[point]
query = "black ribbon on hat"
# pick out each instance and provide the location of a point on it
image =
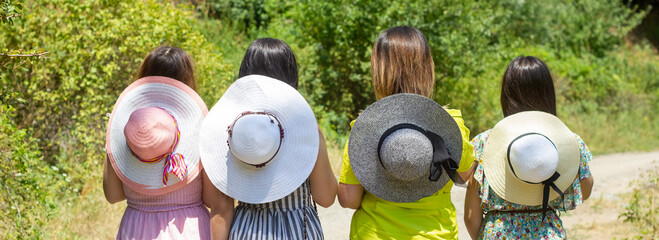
(440, 156)
(549, 182)
(545, 192)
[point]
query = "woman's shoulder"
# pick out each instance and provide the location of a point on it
(456, 113)
(481, 137)
(586, 155)
(582, 144)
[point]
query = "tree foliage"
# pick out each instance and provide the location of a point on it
(10, 10)
(246, 16)
(578, 26)
(14, 58)
(472, 42)
(95, 49)
(28, 186)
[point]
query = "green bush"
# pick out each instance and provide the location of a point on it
(96, 48)
(472, 43)
(590, 26)
(9, 10)
(608, 100)
(28, 186)
(247, 16)
(340, 35)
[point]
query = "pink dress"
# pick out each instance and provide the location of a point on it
(179, 214)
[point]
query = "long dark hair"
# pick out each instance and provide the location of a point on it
(527, 86)
(270, 57)
(169, 62)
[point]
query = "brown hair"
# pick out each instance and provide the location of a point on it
(527, 86)
(402, 63)
(270, 57)
(169, 62)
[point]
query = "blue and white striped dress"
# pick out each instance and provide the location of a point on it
(292, 217)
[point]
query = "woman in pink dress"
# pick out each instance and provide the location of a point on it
(153, 157)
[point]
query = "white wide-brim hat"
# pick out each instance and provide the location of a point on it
(185, 106)
(297, 151)
(496, 165)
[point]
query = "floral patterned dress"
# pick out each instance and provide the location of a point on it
(501, 225)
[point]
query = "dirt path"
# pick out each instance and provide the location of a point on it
(612, 173)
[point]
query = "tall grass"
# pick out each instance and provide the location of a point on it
(87, 216)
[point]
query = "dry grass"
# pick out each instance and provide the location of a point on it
(89, 216)
(601, 217)
(598, 219)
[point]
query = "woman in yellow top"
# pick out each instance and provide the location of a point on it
(401, 62)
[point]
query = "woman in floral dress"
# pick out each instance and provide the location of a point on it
(527, 86)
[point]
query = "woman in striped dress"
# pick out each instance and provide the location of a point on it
(293, 216)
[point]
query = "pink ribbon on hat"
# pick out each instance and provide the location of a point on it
(175, 161)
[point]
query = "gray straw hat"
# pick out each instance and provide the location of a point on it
(404, 147)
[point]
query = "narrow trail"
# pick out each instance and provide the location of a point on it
(612, 173)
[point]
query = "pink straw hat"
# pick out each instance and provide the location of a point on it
(150, 132)
(152, 136)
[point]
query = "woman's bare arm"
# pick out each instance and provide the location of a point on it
(221, 207)
(587, 187)
(322, 179)
(350, 195)
(112, 186)
(473, 213)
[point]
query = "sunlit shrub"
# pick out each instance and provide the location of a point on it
(95, 49)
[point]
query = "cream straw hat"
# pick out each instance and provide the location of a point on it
(530, 158)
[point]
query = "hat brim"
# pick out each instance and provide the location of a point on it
(187, 108)
(298, 152)
(495, 163)
(384, 114)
